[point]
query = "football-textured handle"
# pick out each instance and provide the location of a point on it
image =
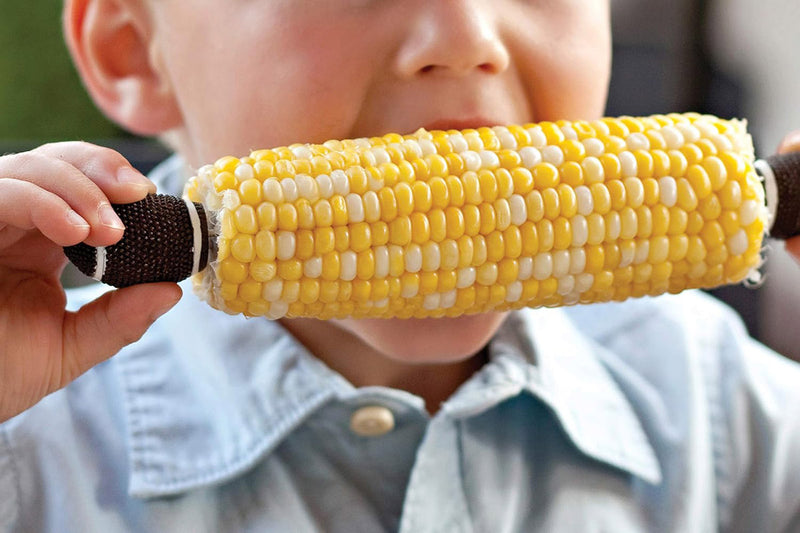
(165, 239)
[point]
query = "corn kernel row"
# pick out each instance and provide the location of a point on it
(443, 223)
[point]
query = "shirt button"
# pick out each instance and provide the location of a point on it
(372, 421)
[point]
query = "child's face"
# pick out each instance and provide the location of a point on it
(251, 74)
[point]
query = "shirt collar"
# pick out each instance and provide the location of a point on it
(197, 419)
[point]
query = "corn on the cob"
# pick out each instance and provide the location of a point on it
(444, 223)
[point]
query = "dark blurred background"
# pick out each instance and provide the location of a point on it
(733, 58)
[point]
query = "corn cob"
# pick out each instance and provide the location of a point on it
(444, 223)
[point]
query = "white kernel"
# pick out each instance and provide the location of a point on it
(593, 170)
(368, 158)
(362, 142)
(355, 208)
(230, 199)
(507, 140)
(448, 299)
(514, 292)
(637, 141)
(413, 258)
(431, 257)
(722, 143)
(302, 152)
(583, 282)
(519, 210)
(748, 212)
(412, 146)
(525, 268)
(737, 243)
(580, 230)
(628, 164)
(409, 290)
(538, 138)
(627, 256)
(381, 155)
(472, 161)
(277, 309)
(272, 191)
(381, 261)
(642, 251)
(341, 185)
(427, 147)
(289, 187)
(566, 284)
(271, 291)
(466, 277)
(489, 160)
(348, 266)
(577, 260)
(668, 190)
(613, 226)
(307, 187)
(530, 156)
(431, 301)
(561, 263)
(325, 185)
(474, 141)
(542, 266)
(705, 128)
(383, 302)
(287, 244)
(594, 147)
(658, 139)
(458, 142)
(553, 154)
(312, 268)
(569, 132)
(690, 133)
(585, 200)
(244, 172)
(672, 137)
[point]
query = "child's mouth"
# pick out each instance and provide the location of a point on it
(461, 124)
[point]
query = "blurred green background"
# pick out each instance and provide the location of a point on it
(41, 98)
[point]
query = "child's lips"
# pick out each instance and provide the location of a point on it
(462, 124)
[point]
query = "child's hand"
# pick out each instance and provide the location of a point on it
(791, 143)
(54, 196)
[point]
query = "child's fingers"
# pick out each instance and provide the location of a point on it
(108, 169)
(103, 327)
(790, 143)
(26, 206)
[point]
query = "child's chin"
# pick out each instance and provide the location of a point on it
(431, 340)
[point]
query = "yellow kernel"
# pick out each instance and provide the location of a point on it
(562, 231)
(472, 220)
(712, 234)
(454, 219)
(692, 153)
(388, 204)
(331, 266)
(661, 163)
(573, 150)
(505, 183)
(568, 200)
(420, 228)
(730, 222)
(455, 191)
(266, 245)
(323, 213)
(480, 251)
(717, 256)
(406, 170)
(250, 191)
(472, 188)
(660, 219)
(226, 164)
(695, 223)
(486, 274)
(616, 191)
(644, 163)
(305, 214)
(423, 199)
(535, 206)
(439, 192)
(678, 163)
(449, 250)
(552, 206)
(466, 251)
(428, 282)
(678, 220)
(512, 238)
(530, 238)
(678, 247)
(597, 228)
(545, 175)
(700, 181)
(438, 225)
(287, 217)
(437, 165)
(455, 163)
(249, 291)
(245, 219)
(488, 185)
(243, 248)
(341, 238)
(595, 259)
(509, 159)
(544, 230)
(495, 247)
(404, 196)
(284, 169)
(645, 218)
(571, 174)
(734, 165)
(659, 249)
(339, 209)
(264, 169)
(447, 281)
(523, 180)
(628, 223)
(707, 146)
(730, 195)
(324, 240)
(641, 275)
(360, 237)
(613, 256)
(612, 168)
(380, 233)
(651, 191)
(687, 198)
(400, 231)
(365, 264)
(397, 261)
(488, 218)
(601, 198)
(232, 270)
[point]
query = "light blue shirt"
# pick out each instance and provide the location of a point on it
(653, 415)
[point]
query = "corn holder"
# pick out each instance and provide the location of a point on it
(445, 223)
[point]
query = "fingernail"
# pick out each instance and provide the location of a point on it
(790, 143)
(132, 176)
(76, 220)
(109, 218)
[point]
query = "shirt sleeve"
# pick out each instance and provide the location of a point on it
(756, 429)
(9, 491)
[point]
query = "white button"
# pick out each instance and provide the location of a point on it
(372, 421)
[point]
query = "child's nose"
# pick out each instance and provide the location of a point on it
(452, 37)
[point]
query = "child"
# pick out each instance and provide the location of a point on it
(653, 415)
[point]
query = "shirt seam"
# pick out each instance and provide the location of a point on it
(5, 441)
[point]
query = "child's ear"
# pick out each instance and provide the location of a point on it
(111, 42)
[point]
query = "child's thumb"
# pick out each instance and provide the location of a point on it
(118, 318)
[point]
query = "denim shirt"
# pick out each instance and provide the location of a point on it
(652, 415)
